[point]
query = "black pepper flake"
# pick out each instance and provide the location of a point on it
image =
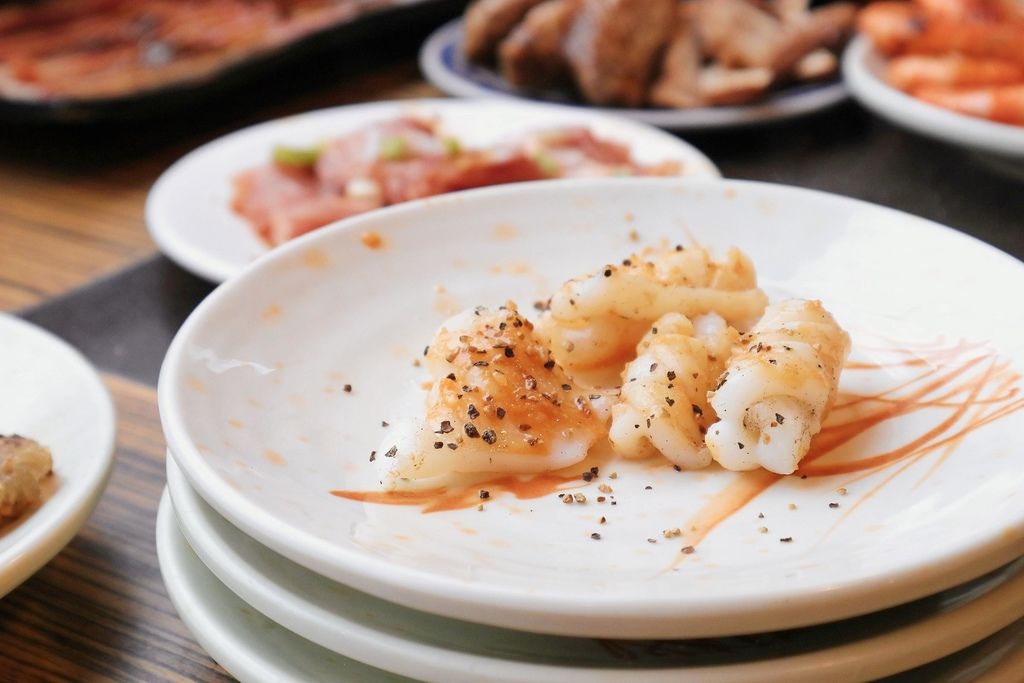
(669, 401)
(626, 262)
(451, 376)
(654, 330)
(452, 446)
(740, 445)
(347, 388)
(594, 470)
(787, 539)
(525, 427)
(549, 364)
(426, 349)
(509, 352)
(481, 363)
(696, 410)
(489, 437)
(594, 397)
(671, 375)
(688, 550)
(373, 455)
(779, 418)
(721, 382)
(596, 536)
(383, 423)
(833, 505)
(600, 499)
(541, 305)
(438, 444)
(446, 427)
(392, 452)
(587, 476)
(607, 272)
(471, 431)
(677, 468)
(484, 494)
(679, 247)
(654, 366)
(772, 361)
(500, 412)
(760, 515)
(648, 488)
(472, 412)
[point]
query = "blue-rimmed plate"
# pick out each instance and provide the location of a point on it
(444, 65)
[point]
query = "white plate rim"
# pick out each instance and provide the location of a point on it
(52, 526)
(780, 107)
(242, 659)
(518, 610)
(164, 227)
(935, 122)
(872, 657)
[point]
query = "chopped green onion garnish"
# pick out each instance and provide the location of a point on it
(393, 148)
(452, 147)
(548, 166)
(296, 156)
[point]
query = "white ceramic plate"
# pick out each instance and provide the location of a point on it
(253, 409)
(444, 65)
(999, 142)
(252, 648)
(188, 210)
(50, 393)
(440, 650)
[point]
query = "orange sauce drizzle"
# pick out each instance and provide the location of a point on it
(946, 383)
(971, 400)
(442, 498)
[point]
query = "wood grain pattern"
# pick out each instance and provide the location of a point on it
(62, 225)
(98, 611)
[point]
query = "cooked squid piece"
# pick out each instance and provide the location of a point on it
(593, 323)
(498, 403)
(23, 465)
(663, 406)
(777, 390)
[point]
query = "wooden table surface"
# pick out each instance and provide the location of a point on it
(99, 611)
(75, 257)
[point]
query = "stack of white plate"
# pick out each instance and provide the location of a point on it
(277, 389)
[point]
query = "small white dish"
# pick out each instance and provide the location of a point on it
(1000, 144)
(253, 409)
(444, 65)
(188, 210)
(252, 648)
(431, 648)
(50, 393)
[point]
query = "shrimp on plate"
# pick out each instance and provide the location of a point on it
(663, 406)
(777, 390)
(498, 403)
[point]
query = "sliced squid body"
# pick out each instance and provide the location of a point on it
(778, 389)
(663, 406)
(497, 403)
(594, 323)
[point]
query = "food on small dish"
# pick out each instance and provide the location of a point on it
(663, 407)
(664, 53)
(407, 158)
(777, 390)
(497, 403)
(963, 55)
(594, 323)
(23, 466)
(57, 50)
